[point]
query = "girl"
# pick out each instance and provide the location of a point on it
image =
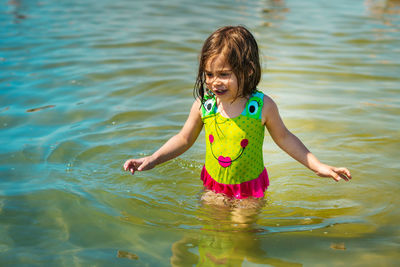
(234, 115)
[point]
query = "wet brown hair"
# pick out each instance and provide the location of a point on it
(240, 50)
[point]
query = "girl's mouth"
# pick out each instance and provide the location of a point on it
(220, 92)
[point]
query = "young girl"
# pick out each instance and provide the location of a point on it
(234, 114)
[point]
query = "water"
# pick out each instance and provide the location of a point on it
(86, 85)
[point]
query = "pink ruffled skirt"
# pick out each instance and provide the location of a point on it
(252, 188)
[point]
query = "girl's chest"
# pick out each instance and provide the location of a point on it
(229, 130)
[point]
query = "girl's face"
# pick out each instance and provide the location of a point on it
(221, 80)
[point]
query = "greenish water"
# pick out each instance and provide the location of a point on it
(85, 85)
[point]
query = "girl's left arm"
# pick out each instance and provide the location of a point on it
(294, 147)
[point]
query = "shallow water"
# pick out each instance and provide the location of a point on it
(84, 85)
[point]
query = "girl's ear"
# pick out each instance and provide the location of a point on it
(252, 67)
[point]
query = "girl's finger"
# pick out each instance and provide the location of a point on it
(343, 172)
(348, 174)
(126, 165)
(344, 177)
(335, 176)
(142, 166)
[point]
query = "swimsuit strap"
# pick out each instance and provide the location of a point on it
(209, 106)
(254, 106)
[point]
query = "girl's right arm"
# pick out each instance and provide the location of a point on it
(174, 147)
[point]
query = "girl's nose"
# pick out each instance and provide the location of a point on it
(217, 80)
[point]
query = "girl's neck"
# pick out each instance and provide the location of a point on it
(231, 109)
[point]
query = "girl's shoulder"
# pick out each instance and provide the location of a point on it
(270, 108)
(264, 100)
(266, 103)
(195, 110)
(197, 104)
(261, 97)
(268, 100)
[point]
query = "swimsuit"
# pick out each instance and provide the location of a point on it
(234, 162)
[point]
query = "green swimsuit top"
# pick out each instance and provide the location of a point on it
(234, 146)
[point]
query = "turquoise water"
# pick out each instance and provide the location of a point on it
(85, 85)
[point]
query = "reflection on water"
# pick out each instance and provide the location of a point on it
(17, 10)
(128, 255)
(37, 109)
(229, 239)
(84, 86)
(382, 8)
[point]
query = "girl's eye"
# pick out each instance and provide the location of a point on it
(253, 107)
(209, 75)
(225, 74)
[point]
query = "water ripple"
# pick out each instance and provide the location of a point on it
(86, 85)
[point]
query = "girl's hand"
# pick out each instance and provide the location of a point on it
(336, 173)
(142, 164)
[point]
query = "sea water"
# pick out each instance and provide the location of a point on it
(85, 85)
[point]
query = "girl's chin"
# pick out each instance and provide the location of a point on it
(220, 93)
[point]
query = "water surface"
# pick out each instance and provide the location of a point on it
(85, 85)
